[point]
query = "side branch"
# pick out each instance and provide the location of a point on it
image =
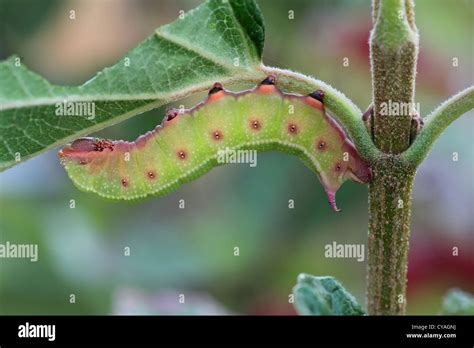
(437, 122)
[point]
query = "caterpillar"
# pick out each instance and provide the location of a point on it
(187, 143)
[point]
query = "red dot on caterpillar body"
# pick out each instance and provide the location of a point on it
(124, 182)
(292, 128)
(255, 124)
(321, 145)
(181, 154)
(217, 135)
(151, 174)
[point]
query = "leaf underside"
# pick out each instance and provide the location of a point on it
(323, 296)
(218, 41)
(457, 302)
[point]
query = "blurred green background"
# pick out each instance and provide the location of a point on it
(191, 251)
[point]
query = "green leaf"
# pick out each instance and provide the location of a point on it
(323, 296)
(221, 40)
(457, 302)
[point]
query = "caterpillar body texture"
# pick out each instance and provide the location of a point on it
(188, 142)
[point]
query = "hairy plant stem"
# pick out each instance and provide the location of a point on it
(394, 52)
(389, 226)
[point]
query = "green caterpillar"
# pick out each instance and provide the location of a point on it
(188, 143)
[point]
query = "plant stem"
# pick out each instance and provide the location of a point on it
(389, 226)
(394, 52)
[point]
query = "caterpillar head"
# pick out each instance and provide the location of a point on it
(84, 150)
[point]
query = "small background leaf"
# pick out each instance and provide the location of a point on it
(457, 302)
(324, 296)
(218, 41)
